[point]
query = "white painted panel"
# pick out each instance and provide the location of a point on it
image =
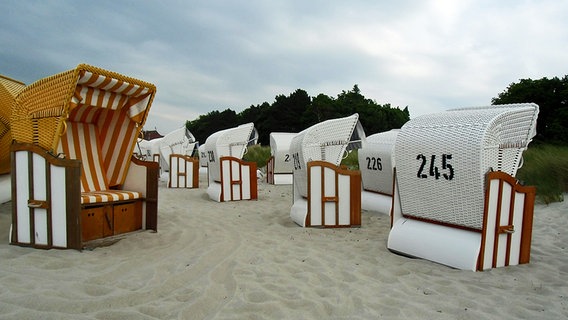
(330, 208)
(174, 173)
(40, 183)
(491, 222)
(188, 174)
(344, 194)
(22, 196)
(226, 181)
(40, 220)
(315, 196)
(329, 182)
(58, 207)
(236, 175)
(245, 174)
(518, 224)
(504, 221)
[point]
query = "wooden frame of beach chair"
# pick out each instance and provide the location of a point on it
(229, 177)
(183, 172)
(376, 163)
(9, 89)
(75, 180)
(325, 194)
(177, 147)
(280, 168)
(456, 201)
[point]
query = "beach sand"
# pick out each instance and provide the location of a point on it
(248, 260)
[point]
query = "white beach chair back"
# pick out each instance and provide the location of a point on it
(326, 141)
(202, 156)
(179, 141)
(229, 142)
(376, 162)
(442, 159)
(280, 150)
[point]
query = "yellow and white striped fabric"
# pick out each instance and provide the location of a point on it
(81, 141)
(108, 196)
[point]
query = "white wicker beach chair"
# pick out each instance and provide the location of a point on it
(230, 178)
(280, 168)
(376, 162)
(76, 178)
(176, 150)
(325, 194)
(456, 201)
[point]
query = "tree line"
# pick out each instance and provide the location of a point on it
(298, 111)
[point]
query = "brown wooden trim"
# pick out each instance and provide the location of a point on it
(394, 191)
(253, 181)
(526, 229)
(14, 236)
(529, 193)
(73, 205)
(354, 194)
(252, 177)
(50, 157)
(355, 200)
(270, 170)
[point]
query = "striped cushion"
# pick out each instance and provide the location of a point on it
(108, 196)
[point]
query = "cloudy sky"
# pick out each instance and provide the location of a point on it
(429, 55)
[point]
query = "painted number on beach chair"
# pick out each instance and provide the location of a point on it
(434, 170)
(211, 156)
(286, 158)
(374, 164)
(297, 163)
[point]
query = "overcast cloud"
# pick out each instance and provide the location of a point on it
(212, 55)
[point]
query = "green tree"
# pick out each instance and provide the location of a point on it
(551, 95)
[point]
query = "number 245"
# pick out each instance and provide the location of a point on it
(434, 169)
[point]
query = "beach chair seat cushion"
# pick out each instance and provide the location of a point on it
(108, 196)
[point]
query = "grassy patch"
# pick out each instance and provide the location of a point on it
(258, 154)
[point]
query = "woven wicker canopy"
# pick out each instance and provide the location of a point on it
(43, 108)
(9, 89)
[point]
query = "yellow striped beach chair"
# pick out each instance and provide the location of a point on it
(76, 177)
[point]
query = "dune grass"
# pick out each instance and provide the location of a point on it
(546, 168)
(259, 154)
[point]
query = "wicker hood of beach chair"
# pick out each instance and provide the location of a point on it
(44, 106)
(9, 89)
(325, 141)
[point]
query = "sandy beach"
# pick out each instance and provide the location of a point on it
(248, 260)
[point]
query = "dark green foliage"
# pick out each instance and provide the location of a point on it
(297, 111)
(552, 97)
